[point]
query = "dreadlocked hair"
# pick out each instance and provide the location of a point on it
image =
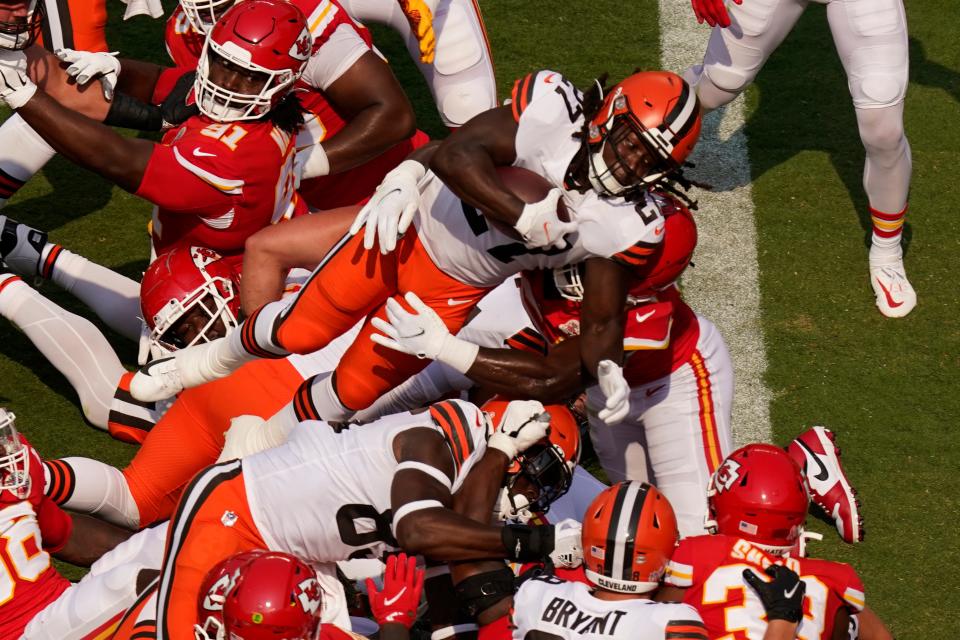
(677, 185)
(592, 99)
(288, 114)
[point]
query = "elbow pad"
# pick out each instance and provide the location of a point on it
(478, 593)
(130, 113)
(527, 544)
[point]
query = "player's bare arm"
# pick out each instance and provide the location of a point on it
(551, 378)
(377, 110)
(271, 252)
(602, 314)
(88, 143)
(467, 162)
(49, 73)
(89, 540)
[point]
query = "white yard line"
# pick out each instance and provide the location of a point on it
(724, 284)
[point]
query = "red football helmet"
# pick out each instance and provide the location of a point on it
(671, 260)
(259, 595)
(203, 14)
(181, 281)
(17, 33)
(542, 473)
(14, 457)
(266, 37)
(628, 536)
(664, 113)
(759, 494)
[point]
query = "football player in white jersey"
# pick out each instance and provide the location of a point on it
(679, 372)
(602, 167)
(332, 493)
(871, 39)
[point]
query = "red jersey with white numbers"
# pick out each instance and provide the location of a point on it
(31, 525)
(215, 184)
(325, 18)
(711, 568)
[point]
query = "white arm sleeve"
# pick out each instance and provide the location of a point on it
(334, 57)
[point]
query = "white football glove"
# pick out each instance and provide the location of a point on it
(422, 334)
(87, 65)
(524, 423)
(616, 391)
(539, 225)
(567, 548)
(390, 210)
(16, 88)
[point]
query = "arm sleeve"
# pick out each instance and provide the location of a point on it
(165, 83)
(55, 525)
(334, 56)
(680, 568)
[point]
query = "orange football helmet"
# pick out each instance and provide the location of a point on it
(542, 473)
(629, 534)
(662, 110)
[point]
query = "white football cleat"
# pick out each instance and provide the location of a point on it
(158, 380)
(895, 295)
(21, 247)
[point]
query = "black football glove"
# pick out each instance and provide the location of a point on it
(782, 597)
(174, 108)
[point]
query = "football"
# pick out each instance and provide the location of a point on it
(529, 187)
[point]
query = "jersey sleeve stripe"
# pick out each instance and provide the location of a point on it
(229, 187)
(854, 597)
(527, 340)
(448, 416)
(521, 94)
(686, 629)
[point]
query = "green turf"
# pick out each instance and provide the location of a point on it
(886, 386)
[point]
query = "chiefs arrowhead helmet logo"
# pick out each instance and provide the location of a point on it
(302, 47)
(726, 475)
(310, 595)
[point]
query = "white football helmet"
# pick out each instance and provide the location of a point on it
(14, 458)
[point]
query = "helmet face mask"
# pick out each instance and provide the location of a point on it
(203, 14)
(14, 457)
(188, 296)
(255, 39)
(643, 132)
(18, 33)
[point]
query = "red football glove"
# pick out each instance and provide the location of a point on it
(420, 19)
(402, 584)
(713, 11)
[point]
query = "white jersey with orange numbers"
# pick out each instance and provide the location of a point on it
(325, 494)
(548, 607)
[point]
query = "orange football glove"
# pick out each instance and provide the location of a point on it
(421, 23)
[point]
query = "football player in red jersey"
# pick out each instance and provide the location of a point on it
(872, 43)
(232, 165)
(758, 504)
(34, 527)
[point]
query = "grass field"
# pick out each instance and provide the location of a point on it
(888, 387)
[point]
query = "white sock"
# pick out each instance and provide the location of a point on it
(93, 487)
(71, 343)
(22, 154)
(113, 297)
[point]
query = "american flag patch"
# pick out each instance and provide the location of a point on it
(597, 552)
(746, 527)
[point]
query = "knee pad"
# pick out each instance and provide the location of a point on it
(881, 129)
(877, 75)
(729, 78)
(460, 103)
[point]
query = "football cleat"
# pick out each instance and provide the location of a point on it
(158, 380)
(895, 295)
(814, 450)
(21, 247)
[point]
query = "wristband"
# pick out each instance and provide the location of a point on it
(527, 544)
(317, 164)
(457, 354)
